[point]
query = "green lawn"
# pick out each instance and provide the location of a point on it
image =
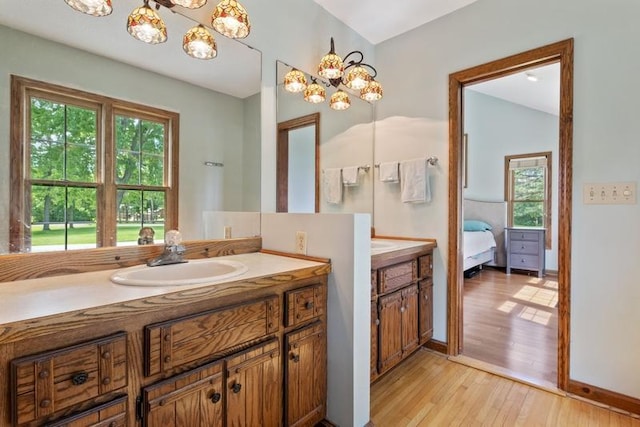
(86, 233)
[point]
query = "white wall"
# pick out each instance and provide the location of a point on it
(343, 238)
(210, 122)
(497, 128)
(604, 245)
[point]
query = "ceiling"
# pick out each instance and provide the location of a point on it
(380, 20)
(235, 71)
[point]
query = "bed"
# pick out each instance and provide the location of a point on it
(484, 247)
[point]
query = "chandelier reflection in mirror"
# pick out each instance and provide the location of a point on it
(355, 75)
(229, 18)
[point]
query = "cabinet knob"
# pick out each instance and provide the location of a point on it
(308, 305)
(167, 337)
(215, 397)
(167, 359)
(79, 378)
(44, 374)
(377, 321)
(295, 357)
(106, 355)
(106, 381)
(113, 424)
(402, 309)
(44, 403)
(426, 296)
(236, 387)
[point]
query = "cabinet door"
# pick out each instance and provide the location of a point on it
(306, 375)
(254, 386)
(192, 399)
(425, 326)
(374, 340)
(409, 310)
(390, 330)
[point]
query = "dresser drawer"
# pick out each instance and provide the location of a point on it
(396, 276)
(530, 262)
(425, 266)
(47, 383)
(524, 247)
(304, 304)
(533, 236)
(111, 414)
(184, 341)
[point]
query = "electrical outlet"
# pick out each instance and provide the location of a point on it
(615, 193)
(301, 242)
(227, 232)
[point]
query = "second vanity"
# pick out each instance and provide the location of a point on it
(401, 300)
(78, 350)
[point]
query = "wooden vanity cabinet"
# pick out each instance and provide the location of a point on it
(401, 306)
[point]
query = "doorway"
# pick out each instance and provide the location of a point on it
(561, 52)
(297, 165)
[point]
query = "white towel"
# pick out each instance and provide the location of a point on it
(332, 183)
(388, 172)
(414, 181)
(350, 176)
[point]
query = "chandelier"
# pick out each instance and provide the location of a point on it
(229, 18)
(355, 75)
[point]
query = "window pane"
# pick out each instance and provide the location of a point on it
(128, 150)
(81, 144)
(152, 169)
(47, 139)
(529, 184)
(152, 153)
(137, 209)
(47, 218)
(81, 218)
(528, 214)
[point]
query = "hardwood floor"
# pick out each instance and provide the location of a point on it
(427, 389)
(511, 321)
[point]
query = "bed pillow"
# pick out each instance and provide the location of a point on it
(475, 225)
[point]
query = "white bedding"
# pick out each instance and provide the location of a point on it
(476, 242)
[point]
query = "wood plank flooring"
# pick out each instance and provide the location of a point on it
(511, 321)
(427, 389)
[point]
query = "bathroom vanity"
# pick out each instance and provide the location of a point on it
(401, 300)
(79, 350)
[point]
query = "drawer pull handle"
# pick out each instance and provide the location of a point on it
(309, 305)
(79, 378)
(44, 403)
(236, 388)
(295, 357)
(215, 397)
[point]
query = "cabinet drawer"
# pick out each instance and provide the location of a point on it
(111, 414)
(397, 276)
(49, 382)
(533, 236)
(425, 266)
(530, 262)
(180, 342)
(524, 247)
(304, 304)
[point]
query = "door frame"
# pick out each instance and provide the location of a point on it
(282, 159)
(561, 52)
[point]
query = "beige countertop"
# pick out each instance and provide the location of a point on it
(381, 245)
(25, 300)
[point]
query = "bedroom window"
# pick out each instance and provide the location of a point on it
(528, 191)
(90, 170)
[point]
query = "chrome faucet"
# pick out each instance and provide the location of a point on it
(173, 250)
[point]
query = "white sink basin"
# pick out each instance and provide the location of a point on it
(190, 273)
(379, 245)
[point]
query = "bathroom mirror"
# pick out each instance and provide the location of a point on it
(218, 100)
(345, 139)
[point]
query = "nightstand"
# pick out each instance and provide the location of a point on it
(525, 249)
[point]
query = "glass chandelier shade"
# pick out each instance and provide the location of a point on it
(146, 25)
(331, 66)
(199, 43)
(340, 100)
(231, 20)
(92, 7)
(295, 81)
(357, 78)
(190, 4)
(314, 93)
(372, 91)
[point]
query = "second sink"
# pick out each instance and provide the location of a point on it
(190, 273)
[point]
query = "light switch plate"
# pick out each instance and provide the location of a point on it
(611, 193)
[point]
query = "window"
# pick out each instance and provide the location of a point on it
(90, 170)
(528, 191)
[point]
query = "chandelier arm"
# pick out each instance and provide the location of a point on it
(166, 3)
(353, 62)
